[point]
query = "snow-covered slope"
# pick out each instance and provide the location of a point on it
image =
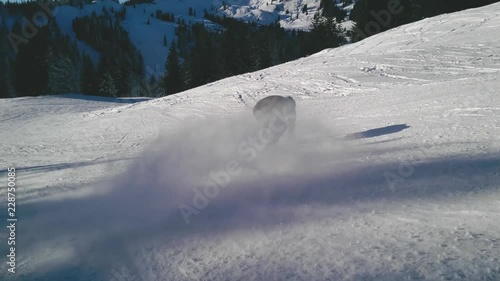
(148, 38)
(270, 11)
(414, 197)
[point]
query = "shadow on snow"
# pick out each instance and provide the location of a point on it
(143, 204)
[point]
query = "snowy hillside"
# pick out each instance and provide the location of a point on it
(415, 195)
(149, 37)
(267, 11)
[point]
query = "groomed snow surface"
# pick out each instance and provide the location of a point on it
(411, 194)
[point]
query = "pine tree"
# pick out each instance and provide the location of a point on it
(366, 15)
(173, 80)
(61, 74)
(324, 34)
(123, 13)
(6, 88)
(106, 86)
(88, 76)
(31, 72)
(329, 9)
(123, 78)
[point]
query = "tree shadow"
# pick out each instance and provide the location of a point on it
(101, 98)
(141, 207)
(63, 166)
(31, 173)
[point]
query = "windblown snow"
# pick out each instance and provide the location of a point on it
(395, 175)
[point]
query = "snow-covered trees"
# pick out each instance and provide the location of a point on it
(50, 61)
(304, 9)
(120, 60)
(170, 17)
(106, 86)
(209, 55)
(329, 9)
(324, 34)
(62, 73)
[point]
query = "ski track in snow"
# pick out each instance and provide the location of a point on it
(100, 180)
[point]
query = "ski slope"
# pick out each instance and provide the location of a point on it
(413, 196)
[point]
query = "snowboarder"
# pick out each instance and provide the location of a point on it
(276, 113)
